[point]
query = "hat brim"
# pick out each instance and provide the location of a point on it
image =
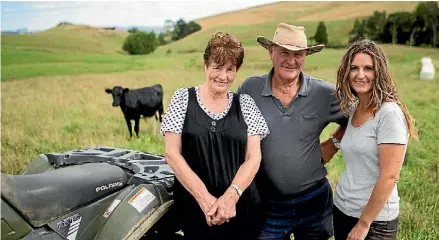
(266, 43)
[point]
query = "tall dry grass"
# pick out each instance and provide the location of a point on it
(51, 114)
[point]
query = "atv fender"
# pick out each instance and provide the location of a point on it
(13, 225)
(131, 217)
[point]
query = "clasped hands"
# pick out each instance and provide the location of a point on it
(219, 211)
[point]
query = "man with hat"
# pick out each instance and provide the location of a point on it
(297, 107)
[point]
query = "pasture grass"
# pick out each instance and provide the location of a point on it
(291, 12)
(53, 99)
(58, 113)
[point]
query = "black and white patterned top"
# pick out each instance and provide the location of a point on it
(176, 113)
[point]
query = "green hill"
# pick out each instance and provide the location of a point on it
(337, 31)
(262, 20)
(74, 49)
(63, 50)
(292, 12)
(71, 38)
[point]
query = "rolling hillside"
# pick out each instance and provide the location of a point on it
(247, 24)
(292, 12)
(68, 38)
(73, 49)
(63, 50)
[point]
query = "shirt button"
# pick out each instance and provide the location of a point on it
(212, 128)
(213, 123)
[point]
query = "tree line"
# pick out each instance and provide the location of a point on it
(417, 28)
(141, 42)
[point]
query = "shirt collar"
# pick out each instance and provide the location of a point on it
(304, 82)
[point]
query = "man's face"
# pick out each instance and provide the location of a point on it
(287, 64)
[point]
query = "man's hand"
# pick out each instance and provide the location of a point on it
(327, 150)
(224, 208)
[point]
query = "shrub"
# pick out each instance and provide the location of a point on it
(64, 23)
(133, 30)
(321, 35)
(336, 45)
(140, 43)
(358, 32)
(182, 29)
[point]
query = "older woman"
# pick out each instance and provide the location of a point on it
(374, 144)
(212, 142)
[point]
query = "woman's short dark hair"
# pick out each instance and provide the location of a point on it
(223, 48)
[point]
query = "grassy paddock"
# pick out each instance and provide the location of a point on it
(57, 113)
(290, 12)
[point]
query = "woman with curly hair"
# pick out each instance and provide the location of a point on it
(212, 142)
(366, 203)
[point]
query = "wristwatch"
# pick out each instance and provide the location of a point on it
(238, 190)
(335, 141)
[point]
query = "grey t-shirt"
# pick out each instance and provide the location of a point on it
(291, 160)
(360, 153)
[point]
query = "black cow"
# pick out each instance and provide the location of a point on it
(134, 103)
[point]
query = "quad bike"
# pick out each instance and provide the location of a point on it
(94, 193)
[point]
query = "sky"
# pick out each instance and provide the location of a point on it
(41, 15)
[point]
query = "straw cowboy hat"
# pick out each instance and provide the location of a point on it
(290, 37)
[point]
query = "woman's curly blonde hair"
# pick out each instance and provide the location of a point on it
(383, 88)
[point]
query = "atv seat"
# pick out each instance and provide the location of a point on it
(42, 197)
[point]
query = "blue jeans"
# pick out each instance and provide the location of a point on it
(307, 215)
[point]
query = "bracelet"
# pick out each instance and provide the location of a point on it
(238, 190)
(335, 141)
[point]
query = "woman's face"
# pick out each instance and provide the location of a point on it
(362, 73)
(220, 78)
